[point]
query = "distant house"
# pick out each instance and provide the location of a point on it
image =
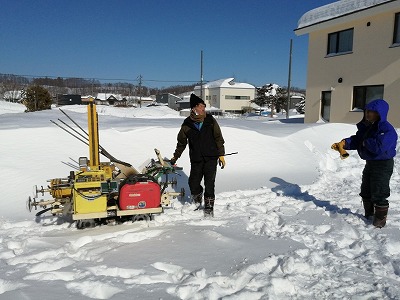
(109, 99)
(227, 94)
(68, 99)
(169, 99)
(354, 51)
(184, 103)
(140, 101)
(295, 99)
(184, 107)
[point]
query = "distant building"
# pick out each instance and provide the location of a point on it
(354, 51)
(169, 99)
(184, 103)
(140, 101)
(68, 99)
(295, 99)
(228, 95)
(110, 99)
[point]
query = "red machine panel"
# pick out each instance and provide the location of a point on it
(139, 195)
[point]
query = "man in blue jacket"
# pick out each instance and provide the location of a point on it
(375, 141)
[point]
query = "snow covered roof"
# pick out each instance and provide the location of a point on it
(336, 10)
(143, 98)
(106, 96)
(226, 83)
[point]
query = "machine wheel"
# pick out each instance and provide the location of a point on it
(29, 204)
(145, 217)
(85, 223)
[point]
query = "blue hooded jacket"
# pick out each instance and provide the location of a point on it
(374, 141)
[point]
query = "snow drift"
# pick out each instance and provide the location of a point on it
(288, 220)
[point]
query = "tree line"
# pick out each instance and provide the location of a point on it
(268, 95)
(83, 86)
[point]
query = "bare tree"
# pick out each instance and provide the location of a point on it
(11, 86)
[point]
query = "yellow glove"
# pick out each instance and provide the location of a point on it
(339, 147)
(221, 162)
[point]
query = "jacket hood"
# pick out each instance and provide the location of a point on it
(380, 106)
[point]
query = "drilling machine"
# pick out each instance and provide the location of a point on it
(105, 192)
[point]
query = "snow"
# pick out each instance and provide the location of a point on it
(336, 9)
(288, 219)
(226, 83)
(10, 107)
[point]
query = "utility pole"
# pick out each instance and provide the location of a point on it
(140, 91)
(289, 79)
(201, 75)
(35, 93)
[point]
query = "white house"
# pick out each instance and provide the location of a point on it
(140, 101)
(227, 94)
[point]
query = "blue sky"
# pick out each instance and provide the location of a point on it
(160, 40)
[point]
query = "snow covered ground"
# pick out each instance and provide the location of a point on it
(288, 219)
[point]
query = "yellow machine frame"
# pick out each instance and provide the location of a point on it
(91, 191)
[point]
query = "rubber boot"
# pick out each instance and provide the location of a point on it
(209, 206)
(197, 199)
(368, 207)
(380, 216)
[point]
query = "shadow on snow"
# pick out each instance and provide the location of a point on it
(292, 190)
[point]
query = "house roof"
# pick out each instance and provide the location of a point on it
(106, 96)
(133, 98)
(226, 83)
(336, 10)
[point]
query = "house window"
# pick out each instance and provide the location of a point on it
(396, 35)
(340, 42)
(364, 94)
(230, 97)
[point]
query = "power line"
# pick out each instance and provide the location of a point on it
(102, 79)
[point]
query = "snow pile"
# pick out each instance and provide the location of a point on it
(288, 219)
(336, 9)
(10, 107)
(128, 112)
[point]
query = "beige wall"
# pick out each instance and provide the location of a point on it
(373, 61)
(233, 104)
(217, 97)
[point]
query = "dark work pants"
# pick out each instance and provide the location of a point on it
(198, 170)
(375, 181)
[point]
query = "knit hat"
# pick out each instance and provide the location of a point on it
(194, 100)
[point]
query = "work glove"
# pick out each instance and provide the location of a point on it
(172, 161)
(221, 162)
(339, 147)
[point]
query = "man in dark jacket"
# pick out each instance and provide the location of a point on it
(206, 148)
(375, 141)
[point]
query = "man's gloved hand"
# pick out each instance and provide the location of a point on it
(340, 148)
(172, 161)
(221, 162)
(335, 146)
